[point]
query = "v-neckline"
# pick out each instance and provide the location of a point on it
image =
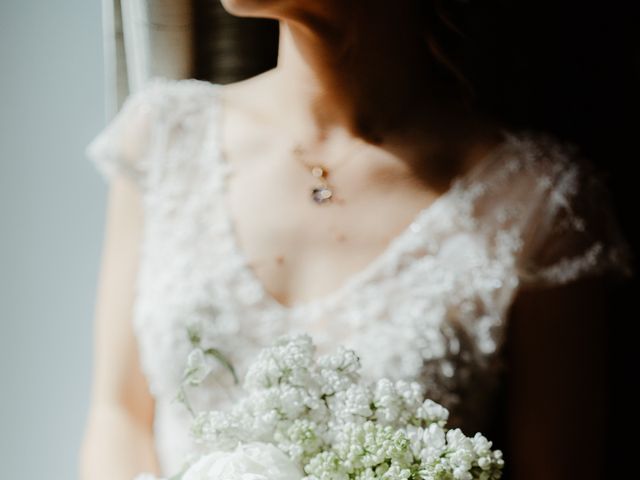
(353, 281)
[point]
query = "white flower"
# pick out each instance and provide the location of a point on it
(433, 412)
(326, 465)
(146, 476)
(249, 461)
(337, 371)
(387, 401)
(433, 442)
(352, 405)
(197, 367)
(288, 360)
(302, 414)
(370, 444)
(301, 440)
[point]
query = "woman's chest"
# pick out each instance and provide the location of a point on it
(431, 311)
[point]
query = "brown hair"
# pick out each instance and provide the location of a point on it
(470, 42)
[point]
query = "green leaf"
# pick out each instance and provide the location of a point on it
(214, 352)
(181, 397)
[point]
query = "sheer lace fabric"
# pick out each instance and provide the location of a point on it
(432, 308)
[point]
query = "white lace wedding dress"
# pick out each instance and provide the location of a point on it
(431, 307)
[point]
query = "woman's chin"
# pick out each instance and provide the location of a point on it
(251, 8)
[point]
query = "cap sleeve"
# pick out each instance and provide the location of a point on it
(574, 232)
(125, 144)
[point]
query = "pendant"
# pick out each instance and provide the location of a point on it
(321, 194)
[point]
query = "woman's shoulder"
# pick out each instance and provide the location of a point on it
(175, 96)
(539, 156)
(148, 117)
(563, 209)
(528, 168)
(535, 170)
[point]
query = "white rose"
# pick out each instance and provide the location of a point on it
(249, 461)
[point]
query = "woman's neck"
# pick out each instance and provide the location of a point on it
(367, 75)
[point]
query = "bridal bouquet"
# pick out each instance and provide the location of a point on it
(308, 418)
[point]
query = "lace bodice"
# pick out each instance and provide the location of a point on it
(432, 307)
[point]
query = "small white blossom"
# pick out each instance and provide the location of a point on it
(331, 426)
(433, 412)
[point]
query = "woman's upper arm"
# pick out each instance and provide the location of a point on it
(123, 153)
(118, 377)
(556, 381)
(572, 253)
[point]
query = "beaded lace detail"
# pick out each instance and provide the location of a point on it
(430, 308)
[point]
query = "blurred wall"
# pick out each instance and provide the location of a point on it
(52, 206)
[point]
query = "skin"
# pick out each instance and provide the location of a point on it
(394, 139)
(370, 125)
(118, 438)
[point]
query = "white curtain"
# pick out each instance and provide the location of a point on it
(142, 39)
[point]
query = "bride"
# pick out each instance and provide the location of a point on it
(357, 192)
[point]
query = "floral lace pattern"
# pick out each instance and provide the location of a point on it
(431, 308)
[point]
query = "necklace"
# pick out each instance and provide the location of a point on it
(322, 191)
